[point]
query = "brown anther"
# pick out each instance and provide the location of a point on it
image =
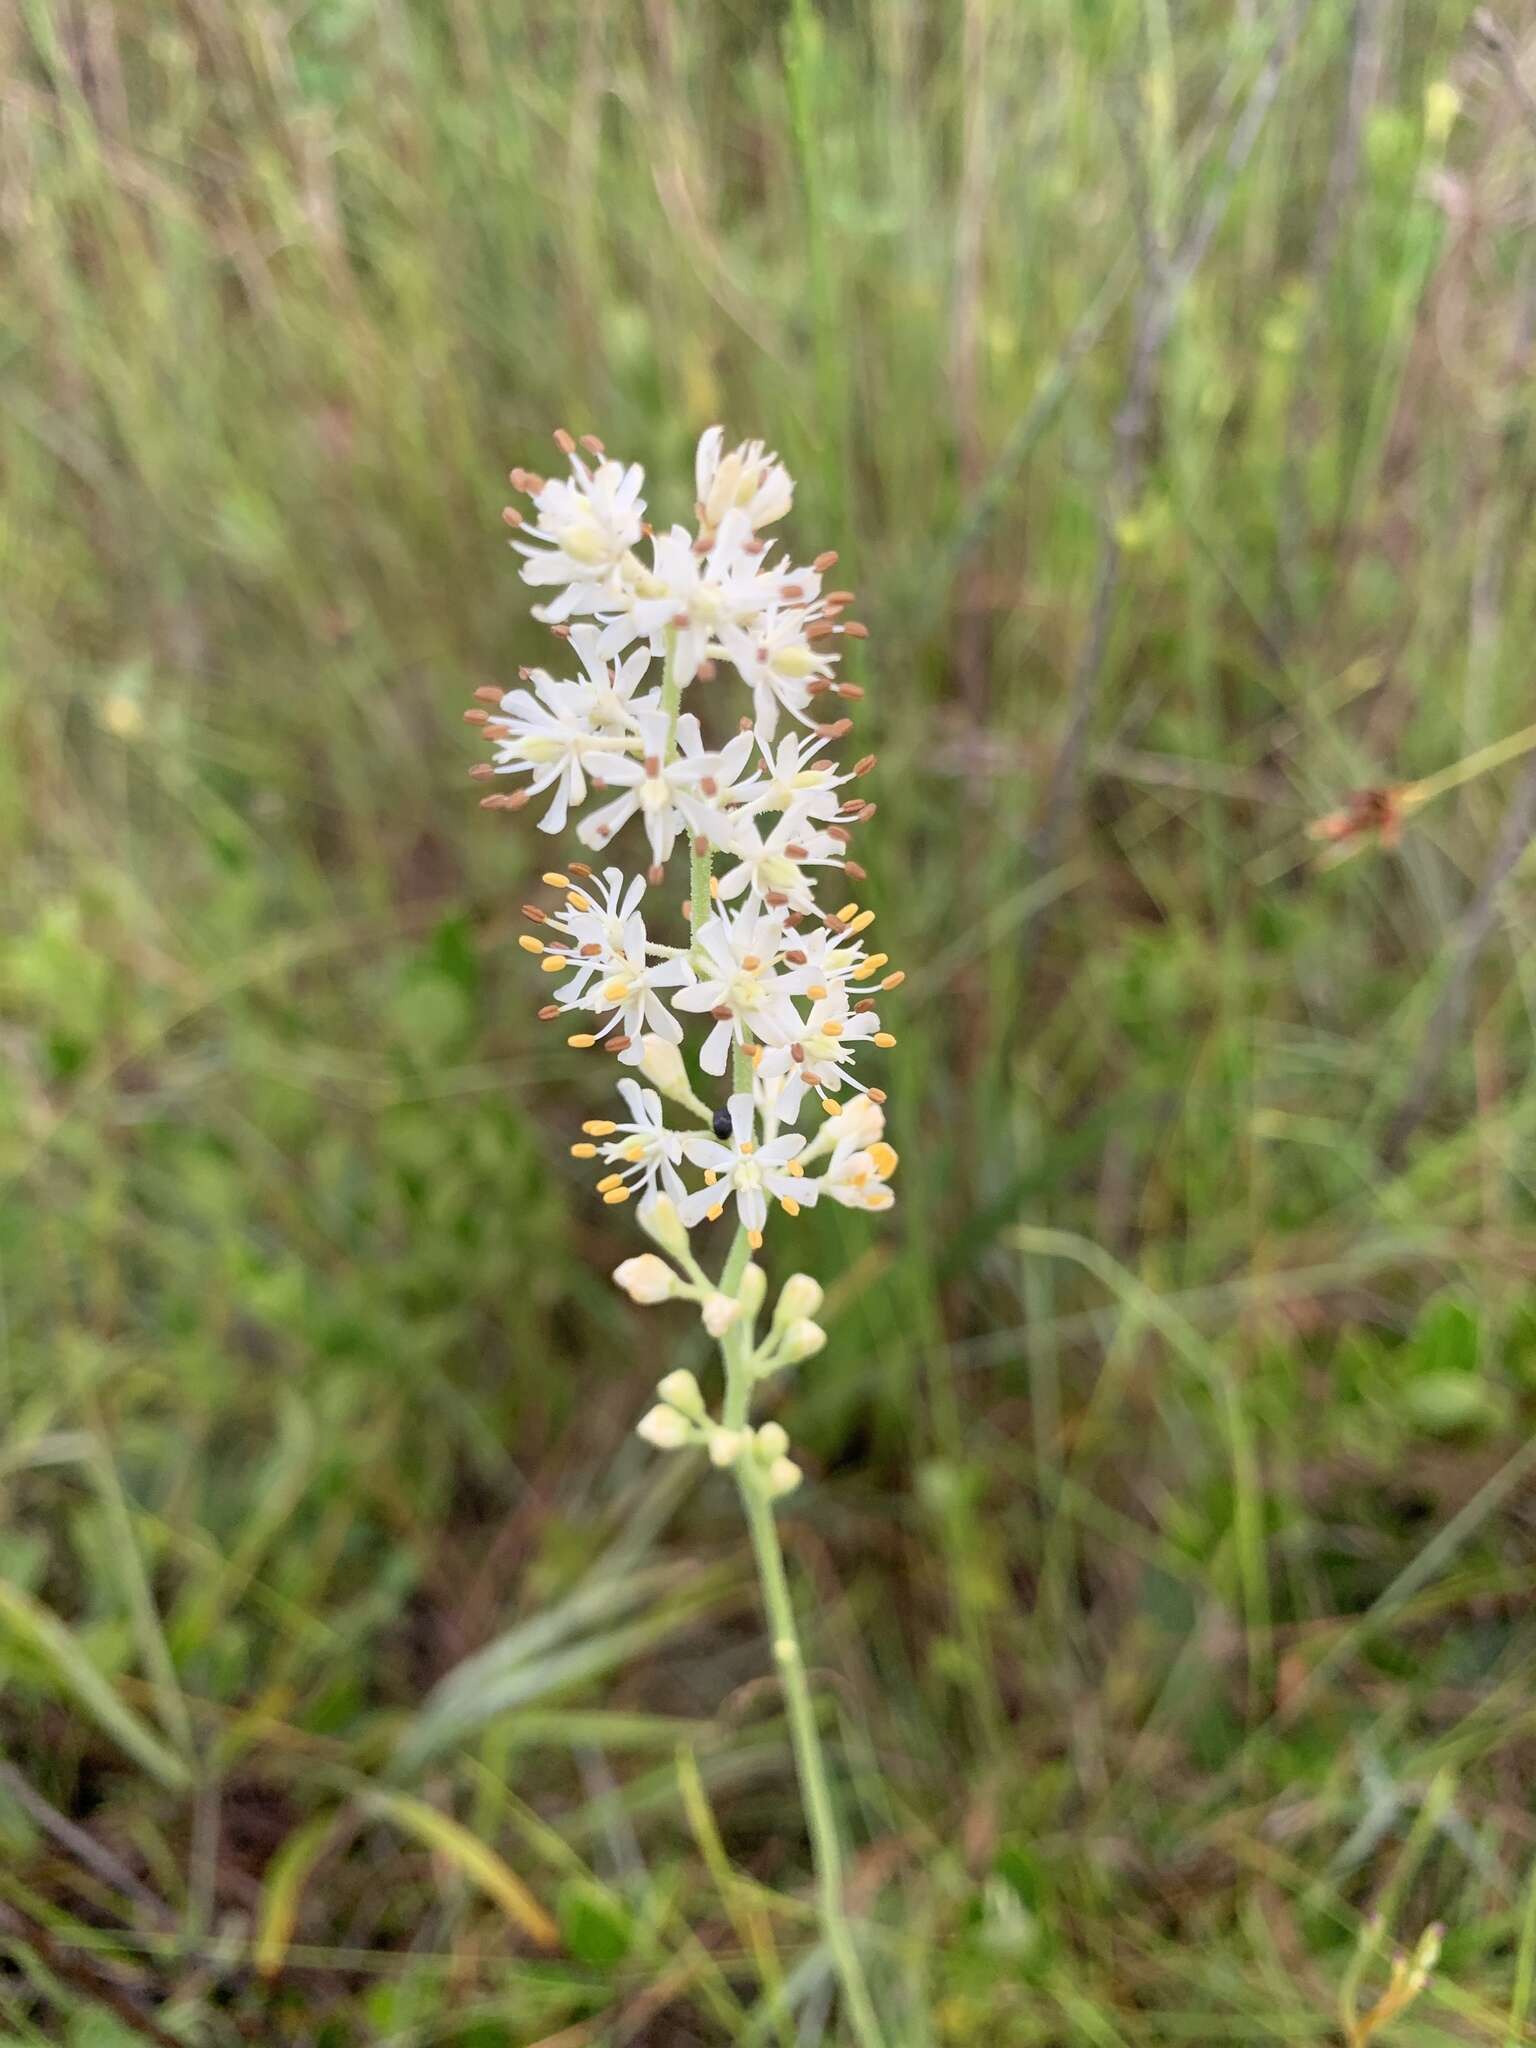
(579, 867)
(488, 694)
(819, 629)
(819, 688)
(867, 1004)
(863, 766)
(852, 691)
(701, 845)
(867, 813)
(549, 1013)
(524, 675)
(592, 444)
(838, 832)
(835, 923)
(744, 725)
(875, 1094)
(795, 919)
(705, 672)
(652, 765)
(755, 546)
(482, 771)
(647, 529)
(795, 851)
(838, 597)
(855, 630)
(534, 915)
(790, 591)
(704, 543)
(476, 717)
(721, 1013)
(680, 620)
(655, 874)
(511, 516)
(619, 1044)
(707, 785)
(796, 958)
(775, 899)
(797, 1054)
(836, 729)
(824, 561)
(854, 872)
(527, 480)
(590, 951)
(564, 442)
(512, 802)
(561, 632)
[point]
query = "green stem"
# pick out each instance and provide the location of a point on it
(810, 1763)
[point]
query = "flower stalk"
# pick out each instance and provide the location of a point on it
(784, 988)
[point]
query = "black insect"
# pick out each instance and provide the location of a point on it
(722, 1122)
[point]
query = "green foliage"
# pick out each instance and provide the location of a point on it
(1171, 1459)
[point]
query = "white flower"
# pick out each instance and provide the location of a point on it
(692, 590)
(858, 1171)
(750, 479)
(615, 974)
(583, 530)
(736, 960)
(646, 1279)
(548, 733)
(817, 1053)
(611, 704)
(688, 790)
(774, 867)
(792, 779)
(775, 658)
(642, 1150)
(747, 1172)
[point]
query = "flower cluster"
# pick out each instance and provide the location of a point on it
(782, 988)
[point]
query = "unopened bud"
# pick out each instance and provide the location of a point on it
(662, 1225)
(782, 1477)
(802, 1340)
(754, 1285)
(681, 1390)
(800, 1296)
(646, 1279)
(726, 1446)
(662, 1065)
(719, 1312)
(770, 1443)
(664, 1428)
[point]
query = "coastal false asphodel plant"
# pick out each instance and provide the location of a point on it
(688, 726)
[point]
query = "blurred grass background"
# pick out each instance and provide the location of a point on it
(1163, 376)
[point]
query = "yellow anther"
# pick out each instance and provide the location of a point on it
(617, 1195)
(615, 991)
(529, 943)
(848, 910)
(710, 1176)
(714, 1215)
(883, 1158)
(610, 1181)
(553, 963)
(634, 1152)
(599, 1127)
(817, 994)
(796, 1169)
(832, 1028)
(755, 1239)
(789, 1205)
(863, 922)
(885, 1040)
(581, 1040)
(832, 1108)
(557, 881)
(583, 1151)
(577, 901)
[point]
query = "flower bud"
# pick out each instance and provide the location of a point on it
(782, 1477)
(664, 1428)
(802, 1340)
(662, 1225)
(719, 1312)
(800, 1296)
(754, 1285)
(663, 1066)
(770, 1443)
(726, 1446)
(681, 1390)
(646, 1279)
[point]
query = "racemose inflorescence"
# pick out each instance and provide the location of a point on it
(688, 726)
